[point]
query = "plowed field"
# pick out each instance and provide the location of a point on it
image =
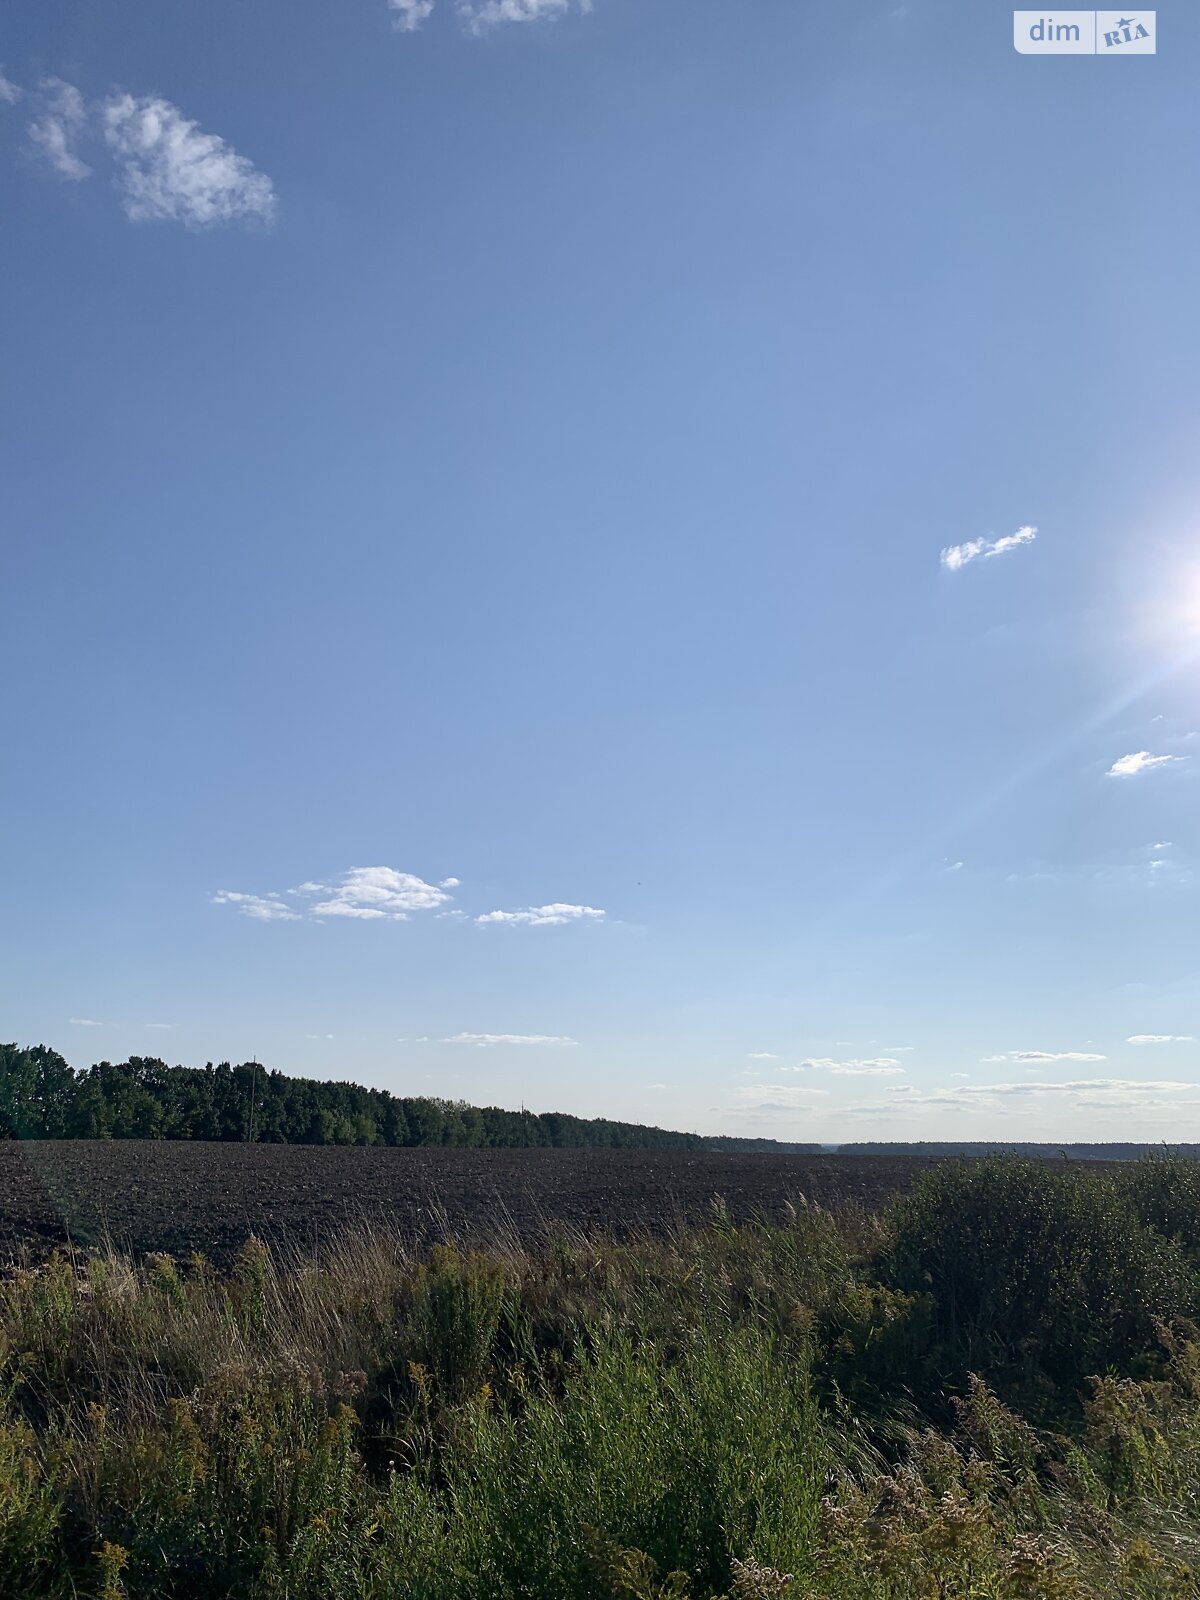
(180, 1197)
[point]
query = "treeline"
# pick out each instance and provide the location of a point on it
(43, 1097)
(985, 1147)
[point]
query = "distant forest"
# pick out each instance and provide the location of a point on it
(43, 1097)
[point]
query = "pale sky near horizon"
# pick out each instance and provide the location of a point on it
(640, 559)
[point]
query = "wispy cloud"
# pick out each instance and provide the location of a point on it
(761, 1055)
(1160, 1038)
(543, 916)
(9, 92)
(169, 169)
(876, 1067)
(409, 14)
(56, 129)
(778, 1096)
(1092, 1086)
(485, 1040)
(263, 908)
(1140, 761)
(478, 16)
(957, 556)
(1032, 1057)
(84, 1022)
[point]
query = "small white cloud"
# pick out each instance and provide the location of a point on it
(58, 126)
(761, 1055)
(543, 916)
(263, 908)
(1160, 1038)
(957, 556)
(449, 883)
(877, 1067)
(1140, 761)
(84, 1022)
(169, 169)
(324, 1037)
(9, 93)
(410, 14)
(480, 15)
(485, 1040)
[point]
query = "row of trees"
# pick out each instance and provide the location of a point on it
(43, 1097)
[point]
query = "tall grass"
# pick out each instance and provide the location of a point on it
(827, 1409)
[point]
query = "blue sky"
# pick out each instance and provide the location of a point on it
(514, 561)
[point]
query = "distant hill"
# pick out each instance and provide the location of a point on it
(983, 1147)
(43, 1097)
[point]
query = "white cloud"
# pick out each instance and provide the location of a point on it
(761, 1055)
(263, 908)
(480, 15)
(1160, 1038)
(483, 1040)
(543, 916)
(378, 894)
(1140, 761)
(410, 14)
(372, 893)
(84, 1022)
(55, 131)
(9, 93)
(878, 1067)
(170, 170)
(957, 556)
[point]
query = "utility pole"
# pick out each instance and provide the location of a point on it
(253, 1085)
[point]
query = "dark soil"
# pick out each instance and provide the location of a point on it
(178, 1197)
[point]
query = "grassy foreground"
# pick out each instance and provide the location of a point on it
(992, 1391)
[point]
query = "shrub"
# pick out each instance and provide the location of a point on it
(1035, 1269)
